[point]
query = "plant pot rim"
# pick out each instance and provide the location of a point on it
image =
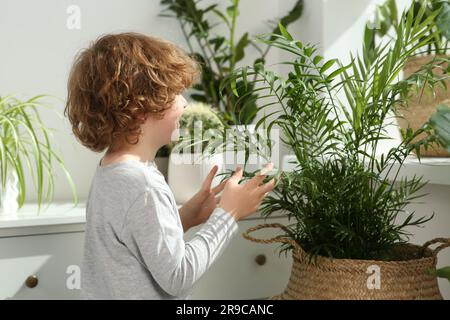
(426, 256)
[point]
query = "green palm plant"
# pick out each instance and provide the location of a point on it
(25, 140)
(344, 200)
(386, 20)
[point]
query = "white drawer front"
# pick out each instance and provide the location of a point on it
(48, 257)
(236, 274)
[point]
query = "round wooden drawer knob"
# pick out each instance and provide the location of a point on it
(260, 259)
(32, 281)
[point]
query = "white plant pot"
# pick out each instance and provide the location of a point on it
(187, 172)
(8, 196)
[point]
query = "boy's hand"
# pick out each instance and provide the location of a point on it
(241, 200)
(198, 209)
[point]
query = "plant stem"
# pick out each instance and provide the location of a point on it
(232, 34)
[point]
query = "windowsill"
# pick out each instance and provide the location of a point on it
(51, 214)
(434, 170)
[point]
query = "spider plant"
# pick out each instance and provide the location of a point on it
(345, 200)
(24, 139)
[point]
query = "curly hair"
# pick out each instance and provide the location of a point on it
(118, 79)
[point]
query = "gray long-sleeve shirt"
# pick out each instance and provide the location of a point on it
(134, 246)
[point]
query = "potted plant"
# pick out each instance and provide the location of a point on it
(188, 167)
(219, 53)
(422, 103)
(24, 139)
(346, 206)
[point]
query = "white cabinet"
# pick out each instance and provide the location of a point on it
(48, 258)
(50, 247)
(247, 270)
(45, 249)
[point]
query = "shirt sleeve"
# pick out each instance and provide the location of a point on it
(153, 232)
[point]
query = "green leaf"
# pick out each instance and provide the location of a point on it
(294, 14)
(233, 86)
(284, 32)
(232, 11)
(217, 42)
(441, 273)
(240, 47)
(369, 39)
(222, 17)
(317, 59)
(337, 72)
(327, 65)
(392, 5)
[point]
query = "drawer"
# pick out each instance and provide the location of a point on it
(237, 275)
(46, 256)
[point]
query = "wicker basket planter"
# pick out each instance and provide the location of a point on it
(423, 105)
(349, 279)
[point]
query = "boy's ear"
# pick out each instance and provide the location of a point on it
(142, 117)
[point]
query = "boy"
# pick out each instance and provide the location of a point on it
(124, 96)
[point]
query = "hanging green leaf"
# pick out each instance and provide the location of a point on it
(327, 65)
(240, 47)
(284, 32)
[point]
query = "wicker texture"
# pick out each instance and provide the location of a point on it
(423, 105)
(343, 279)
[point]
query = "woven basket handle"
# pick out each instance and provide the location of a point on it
(281, 239)
(445, 242)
